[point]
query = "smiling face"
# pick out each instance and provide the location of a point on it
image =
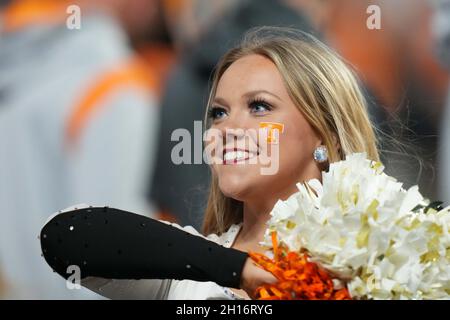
(252, 91)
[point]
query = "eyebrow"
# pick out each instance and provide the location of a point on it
(220, 101)
(247, 95)
(255, 92)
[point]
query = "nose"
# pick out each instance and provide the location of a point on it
(237, 130)
(236, 126)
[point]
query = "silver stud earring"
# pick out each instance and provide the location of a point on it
(321, 154)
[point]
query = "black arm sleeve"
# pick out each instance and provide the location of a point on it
(115, 244)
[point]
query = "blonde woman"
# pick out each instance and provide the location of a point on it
(277, 76)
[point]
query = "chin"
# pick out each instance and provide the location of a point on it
(234, 187)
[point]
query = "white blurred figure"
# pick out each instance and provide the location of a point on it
(77, 121)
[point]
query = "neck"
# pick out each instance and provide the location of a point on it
(255, 216)
(254, 224)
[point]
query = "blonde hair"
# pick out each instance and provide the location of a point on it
(323, 88)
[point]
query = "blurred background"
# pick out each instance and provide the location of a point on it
(87, 110)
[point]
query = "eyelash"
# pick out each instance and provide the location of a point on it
(212, 112)
(260, 102)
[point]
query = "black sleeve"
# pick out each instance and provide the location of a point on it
(115, 244)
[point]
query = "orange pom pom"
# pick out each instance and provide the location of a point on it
(298, 278)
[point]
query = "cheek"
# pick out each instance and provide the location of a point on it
(296, 147)
(213, 146)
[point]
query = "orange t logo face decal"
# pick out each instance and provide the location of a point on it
(271, 126)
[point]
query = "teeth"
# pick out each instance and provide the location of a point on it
(235, 155)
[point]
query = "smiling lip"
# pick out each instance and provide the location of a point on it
(237, 155)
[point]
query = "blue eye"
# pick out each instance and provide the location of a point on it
(216, 113)
(259, 106)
